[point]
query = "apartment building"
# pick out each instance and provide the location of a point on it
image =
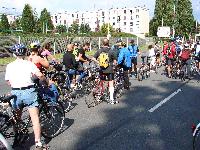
(133, 20)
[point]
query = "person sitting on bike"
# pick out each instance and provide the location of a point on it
(124, 61)
(185, 58)
(71, 66)
(19, 75)
(41, 63)
(157, 48)
(152, 57)
(107, 60)
(134, 50)
(197, 53)
(171, 53)
(46, 51)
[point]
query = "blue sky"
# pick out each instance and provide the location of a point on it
(74, 5)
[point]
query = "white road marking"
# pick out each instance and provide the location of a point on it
(164, 101)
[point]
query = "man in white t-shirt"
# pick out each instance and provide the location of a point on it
(19, 75)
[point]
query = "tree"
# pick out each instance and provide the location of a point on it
(61, 28)
(27, 20)
(85, 29)
(104, 28)
(182, 20)
(45, 20)
(16, 25)
(5, 26)
(74, 28)
(185, 23)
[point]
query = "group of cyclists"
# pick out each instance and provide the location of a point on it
(22, 73)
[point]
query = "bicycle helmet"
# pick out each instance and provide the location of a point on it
(18, 49)
(35, 45)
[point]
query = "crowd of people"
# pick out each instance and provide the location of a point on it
(21, 73)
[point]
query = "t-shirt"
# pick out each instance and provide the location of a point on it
(19, 73)
(69, 61)
(45, 53)
(151, 52)
(111, 55)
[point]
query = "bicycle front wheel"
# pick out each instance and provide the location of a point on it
(196, 140)
(52, 119)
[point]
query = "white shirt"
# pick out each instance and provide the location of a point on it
(19, 73)
(151, 52)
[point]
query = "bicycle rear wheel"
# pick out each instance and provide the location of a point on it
(52, 119)
(7, 129)
(196, 140)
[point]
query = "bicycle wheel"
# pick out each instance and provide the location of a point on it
(196, 140)
(7, 129)
(52, 119)
(139, 75)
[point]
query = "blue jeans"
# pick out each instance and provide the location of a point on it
(71, 72)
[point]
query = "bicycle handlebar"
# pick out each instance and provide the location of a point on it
(6, 99)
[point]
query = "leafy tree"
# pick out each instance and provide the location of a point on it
(5, 26)
(74, 28)
(185, 23)
(85, 29)
(45, 20)
(104, 28)
(27, 20)
(16, 25)
(182, 20)
(61, 28)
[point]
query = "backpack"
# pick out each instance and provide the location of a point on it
(133, 50)
(125, 57)
(103, 60)
(185, 55)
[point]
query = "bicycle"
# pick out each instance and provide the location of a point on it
(195, 134)
(4, 145)
(144, 71)
(15, 130)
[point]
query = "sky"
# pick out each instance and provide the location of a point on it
(74, 5)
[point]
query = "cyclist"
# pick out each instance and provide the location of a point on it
(124, 61)
(19, 76)
(108, 71)
(46, 51)
(185, 58)
(133, 48)
(197, 53)
(152, 57)
(41, 63)
(71, 66)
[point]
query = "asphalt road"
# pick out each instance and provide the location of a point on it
(131, 124)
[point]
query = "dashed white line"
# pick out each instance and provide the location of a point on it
(164, 101)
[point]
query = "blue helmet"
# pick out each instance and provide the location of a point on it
(18, 49)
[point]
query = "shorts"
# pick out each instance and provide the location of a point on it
(134, 60)
(170, 61)
(107, 76)
(26, 97)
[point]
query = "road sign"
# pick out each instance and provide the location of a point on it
(163, 32)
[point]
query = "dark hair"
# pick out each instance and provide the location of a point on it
(86, 44)
(105, 42)
(150, 47)
(47, 46)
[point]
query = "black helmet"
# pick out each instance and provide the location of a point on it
(18, 49)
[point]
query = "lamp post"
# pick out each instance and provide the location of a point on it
(175, 1)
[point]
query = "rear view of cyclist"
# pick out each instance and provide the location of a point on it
(197, 53)
(107, 61)
(19, 76)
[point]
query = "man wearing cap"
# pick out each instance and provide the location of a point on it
(133, 48)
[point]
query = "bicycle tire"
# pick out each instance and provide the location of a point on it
(139, 75)
(196, 140)
(6, 129)
(52, 115)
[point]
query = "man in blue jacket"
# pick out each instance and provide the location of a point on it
(124, 61)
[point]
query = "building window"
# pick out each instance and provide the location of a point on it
(77, 15)
(103, 13)
(131, 29)
(113, 17)
(65, 22)
(137, 10)
(124, 17)
(124, 23)
(131, 23)
(72, 15)
(124, 11)
(113, 23)
(131, 11)
(131, 17)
